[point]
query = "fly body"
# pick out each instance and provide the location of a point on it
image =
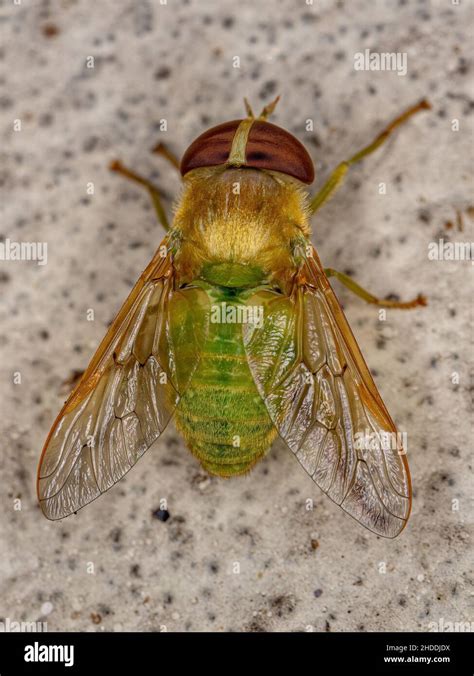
(234, 331)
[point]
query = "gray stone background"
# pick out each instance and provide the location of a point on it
(299, 569)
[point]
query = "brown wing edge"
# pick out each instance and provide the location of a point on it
(159, 267)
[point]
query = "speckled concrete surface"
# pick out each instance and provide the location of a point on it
(115, 566)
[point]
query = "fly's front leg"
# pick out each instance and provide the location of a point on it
(337, 176)
(163, 150)
(153, 191)
(370, 298)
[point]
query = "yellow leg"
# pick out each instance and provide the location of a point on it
(369, 298)
(153, 191)
(339, 173)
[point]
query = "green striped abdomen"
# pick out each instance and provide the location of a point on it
(221, 414)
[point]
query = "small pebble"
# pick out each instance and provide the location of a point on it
(161, 514)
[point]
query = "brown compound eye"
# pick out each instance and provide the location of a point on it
(271, 147)
(211, 148)
(268, 147)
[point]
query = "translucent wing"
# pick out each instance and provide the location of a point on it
(324, 403)
(128, 393)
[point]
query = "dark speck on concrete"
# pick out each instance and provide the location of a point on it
(116, 535)
(463, 67)
(90, 144)
(162, 73)
(45, 119)
(135, 570)
(256, 626)
(283, 605)
(50, 30)
(214, 567)
(161, 514)
(308, 17)
(269, 89)
(104, 609)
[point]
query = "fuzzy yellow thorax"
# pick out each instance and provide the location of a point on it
(243, 221)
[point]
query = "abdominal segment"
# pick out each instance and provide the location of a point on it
(221, 415)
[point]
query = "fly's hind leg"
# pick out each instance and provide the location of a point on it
(370, 298)
(337, 176)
